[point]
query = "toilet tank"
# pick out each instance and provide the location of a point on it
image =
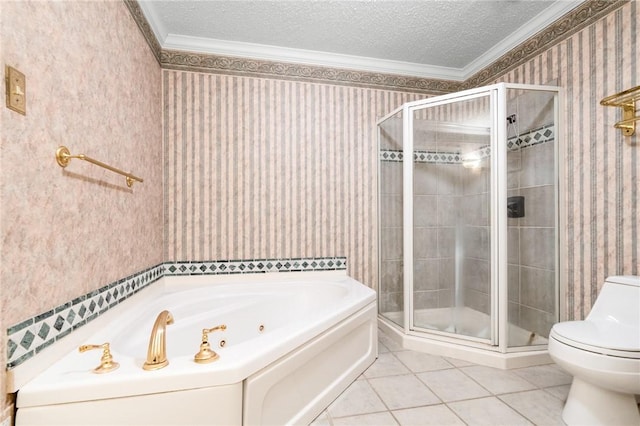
(618, 302)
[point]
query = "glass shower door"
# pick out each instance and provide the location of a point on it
(451, 230)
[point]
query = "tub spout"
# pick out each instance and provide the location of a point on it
(157, 352)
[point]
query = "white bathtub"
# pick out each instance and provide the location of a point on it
(319, 334)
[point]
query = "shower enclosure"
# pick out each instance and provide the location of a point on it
(469, 252)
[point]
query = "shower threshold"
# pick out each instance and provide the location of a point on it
(530, 347)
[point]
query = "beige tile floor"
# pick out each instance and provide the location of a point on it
(412, 388)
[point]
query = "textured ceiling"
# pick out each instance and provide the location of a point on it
(451, 36)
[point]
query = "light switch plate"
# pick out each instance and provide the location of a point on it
(16, 90)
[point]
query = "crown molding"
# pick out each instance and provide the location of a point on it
(301, 66)
(308, 57)
(551, 14)
(577, 19)
(256, 51)
(202, 62)
(145, 28)
(155, 23)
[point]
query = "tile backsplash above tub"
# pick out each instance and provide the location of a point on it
(28, 338)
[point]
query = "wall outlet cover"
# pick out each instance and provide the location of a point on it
(16, 90)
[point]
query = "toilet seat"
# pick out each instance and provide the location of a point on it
(592, 341)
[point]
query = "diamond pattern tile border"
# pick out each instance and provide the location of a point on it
(525, 140)
(256, 266)
(533, 137)
(30, 337)
(422, 157)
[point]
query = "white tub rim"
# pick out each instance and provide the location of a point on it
(39, 393)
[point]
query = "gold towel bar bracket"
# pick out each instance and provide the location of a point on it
(627, 101)
(63, 157)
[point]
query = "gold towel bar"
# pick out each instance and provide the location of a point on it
(63, 157)
(627, 101)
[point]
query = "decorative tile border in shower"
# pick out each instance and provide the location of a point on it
(31, 336)
(422, 157)
(476, 156)
(436, 157)
(525, 140)
(533, 137)
(390, 155)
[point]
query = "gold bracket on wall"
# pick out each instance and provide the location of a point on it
(627, 101)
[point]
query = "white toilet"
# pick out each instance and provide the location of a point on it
(603, 355)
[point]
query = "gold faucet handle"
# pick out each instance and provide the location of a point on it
(206, 354)
(107, 363)
(206, 331)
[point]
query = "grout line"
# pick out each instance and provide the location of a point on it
(497, 396)
(516, 410)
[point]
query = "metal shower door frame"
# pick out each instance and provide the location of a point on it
(408, 220)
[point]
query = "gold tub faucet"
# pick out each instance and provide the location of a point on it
(157, 352)
(205, 354)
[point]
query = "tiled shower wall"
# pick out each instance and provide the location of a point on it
(437, 190)
(601, 165)
(531, 243)
(436, 199)
(474, 232)
(262, 168)
(531, 239)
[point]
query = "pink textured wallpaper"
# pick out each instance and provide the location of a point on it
(94, 86)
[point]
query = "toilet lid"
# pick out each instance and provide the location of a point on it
(601, 337)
